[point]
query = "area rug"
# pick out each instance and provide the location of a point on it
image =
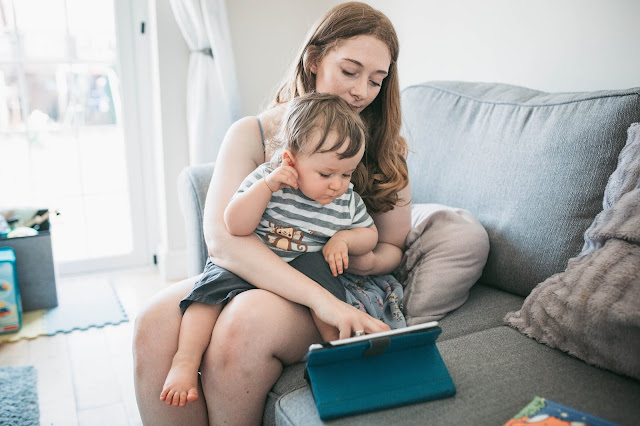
(19, 396)
(81, 304)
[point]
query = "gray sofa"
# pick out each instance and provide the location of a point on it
(533, 168)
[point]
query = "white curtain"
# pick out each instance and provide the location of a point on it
(212, 91)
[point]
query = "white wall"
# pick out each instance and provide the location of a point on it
(266, 35)
(549, 45)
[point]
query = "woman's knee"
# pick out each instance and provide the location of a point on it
(258, 324)
(245, 320)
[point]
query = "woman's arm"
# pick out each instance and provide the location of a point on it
(393, 228)
(358, 240)
(248, 257)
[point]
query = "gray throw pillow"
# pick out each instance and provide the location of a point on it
(592, 309)
(530, 166)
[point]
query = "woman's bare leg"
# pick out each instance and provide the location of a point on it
(155, 342)
(197, 324)
(256, 334)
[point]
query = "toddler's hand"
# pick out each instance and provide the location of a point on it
(336, 253)
(283, 176)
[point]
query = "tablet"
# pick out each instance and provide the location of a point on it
(377, 371)
(418, 328)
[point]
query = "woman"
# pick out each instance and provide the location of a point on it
(352, 53)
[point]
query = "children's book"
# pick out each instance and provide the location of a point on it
(543, 412)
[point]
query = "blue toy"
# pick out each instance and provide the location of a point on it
(10, 303)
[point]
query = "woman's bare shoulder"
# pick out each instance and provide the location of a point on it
(246, 126)
(271, 119)
(243, 140)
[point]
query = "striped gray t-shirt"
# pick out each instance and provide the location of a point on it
(293, 224)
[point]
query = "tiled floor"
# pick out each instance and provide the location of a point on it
(86, 377)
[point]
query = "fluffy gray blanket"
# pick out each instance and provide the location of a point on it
(592, 309)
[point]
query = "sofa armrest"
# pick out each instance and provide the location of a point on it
(193, 183)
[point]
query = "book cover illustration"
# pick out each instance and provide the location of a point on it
(543, 412)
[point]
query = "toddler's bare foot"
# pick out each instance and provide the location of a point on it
(181, 385)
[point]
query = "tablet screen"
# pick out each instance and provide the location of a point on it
(365, 337)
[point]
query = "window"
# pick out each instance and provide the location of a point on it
(62, 139)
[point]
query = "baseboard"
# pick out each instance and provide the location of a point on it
(172, 264)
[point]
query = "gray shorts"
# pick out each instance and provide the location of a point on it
(219, 286)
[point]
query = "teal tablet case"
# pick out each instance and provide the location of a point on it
(378, 373)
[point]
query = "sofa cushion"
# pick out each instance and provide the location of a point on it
(592, 309)
(291, 379)
(496, 372)
(530, 166)
(485, 308)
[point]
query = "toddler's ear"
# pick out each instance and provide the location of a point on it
(287, 158)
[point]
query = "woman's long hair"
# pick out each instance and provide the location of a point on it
(383, 169)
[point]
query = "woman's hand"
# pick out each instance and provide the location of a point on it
(393, 227)
(361, 265)
(346, 318)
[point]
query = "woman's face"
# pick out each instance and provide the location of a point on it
(353, 70)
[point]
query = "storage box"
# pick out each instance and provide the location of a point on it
(36, 271)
